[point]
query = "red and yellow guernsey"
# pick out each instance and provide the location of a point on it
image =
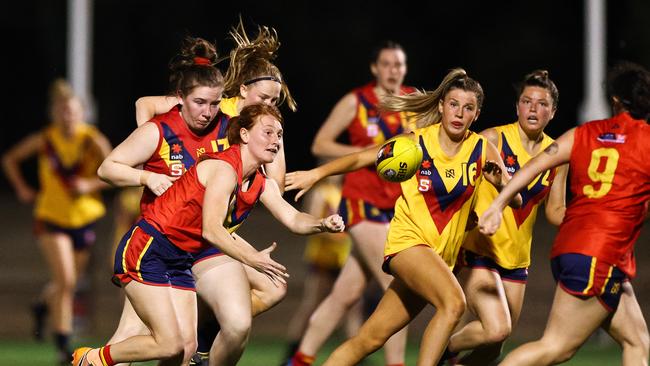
(179, 148)
(436, 202)
(510, 246)
(178, 213)
(610, 183)
(371, 127)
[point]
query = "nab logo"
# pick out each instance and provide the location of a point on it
(176, 151)
(616, 287)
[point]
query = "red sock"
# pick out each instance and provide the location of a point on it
(105, 355)
(301, 359)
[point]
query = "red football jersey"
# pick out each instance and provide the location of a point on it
(178, 213)
(372, 127)
(179, 148)
(610, 183)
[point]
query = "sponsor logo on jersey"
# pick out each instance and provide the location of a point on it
(615, 138)
(176, 151)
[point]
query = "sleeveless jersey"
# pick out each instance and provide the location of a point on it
(610, 183)
(328, 250)
(436, 202)
(370, 127)
(60, 161)
(179, 148)
(509, 247)
(178, 213)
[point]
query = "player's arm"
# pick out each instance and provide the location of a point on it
(495, 172)
(11, 160)
(119, 167)
(102, 146)
(296, 221)
(555, 206)
(559, 152)
(304, 180)
(325, 144)
(220, 179)
(147, 107)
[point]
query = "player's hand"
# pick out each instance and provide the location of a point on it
(333, 224)
(158, 183)
(261, 261)
(489, 222)
(26, 194)
(492, 172)
(302, 180)
(80, 185)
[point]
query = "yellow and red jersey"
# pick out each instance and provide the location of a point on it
(610, 183)
(510, 246)
(61, 160)
(437, 201)
(368, 128)
(178, 213)
(179, 148)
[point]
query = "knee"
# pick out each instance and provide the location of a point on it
(346, 297)
(273, 295)
(497, 333)
(369, 341)
(170, 347)
(237, 329)
(453, 306)
(561, 352)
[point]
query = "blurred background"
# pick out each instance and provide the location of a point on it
(325, 52)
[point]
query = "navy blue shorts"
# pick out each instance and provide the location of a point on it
(206, 254)
(586, 276)
(472, 260)
(82, 238)
(147, 256)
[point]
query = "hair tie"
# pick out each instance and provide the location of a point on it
(202, 61)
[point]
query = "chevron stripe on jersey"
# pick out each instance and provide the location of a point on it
(442, 201)
(535, 192)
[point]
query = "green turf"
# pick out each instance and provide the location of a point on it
(269, 353)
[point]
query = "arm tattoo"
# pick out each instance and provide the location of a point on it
(551, 149)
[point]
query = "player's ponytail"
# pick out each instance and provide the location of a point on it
(424, 104)
(251, 61)
(194, 66)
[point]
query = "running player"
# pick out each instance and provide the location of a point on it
(592, 258)
(367, 201)
(430, 216)
(494, 269)
(203, 208)
(251, 79)
(68, 202)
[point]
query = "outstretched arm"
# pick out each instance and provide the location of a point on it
(555, 206)
(296, 221)
(220, 180)
(24, 149)
(304, 180)
(101, 147)
(147, 107)
(559, 152)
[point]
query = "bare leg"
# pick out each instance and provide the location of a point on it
(628, 327)
(264, 293)
(421, 276)
(222, 283)
(571, 322)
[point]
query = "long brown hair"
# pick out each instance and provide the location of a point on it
(425, 103)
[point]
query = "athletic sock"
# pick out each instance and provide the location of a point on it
(301, 359)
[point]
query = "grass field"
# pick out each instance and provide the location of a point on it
(269, 353)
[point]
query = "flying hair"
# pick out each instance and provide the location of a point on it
(424, 104)
(251, 61)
